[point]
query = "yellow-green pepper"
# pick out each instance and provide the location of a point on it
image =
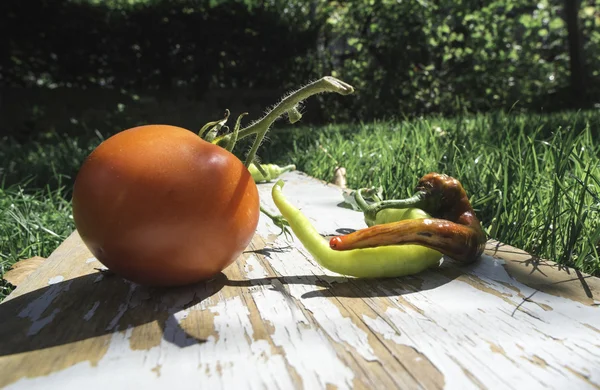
(385, 261)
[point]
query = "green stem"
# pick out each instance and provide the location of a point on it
(360, 201)
(419, 200)
(326, 84)
(216, 125)
(289, 103)
(250, 157)
(278, 220)
(268, 213)
(236, 132)
(288, 168)
(260, 168)
(294, 115)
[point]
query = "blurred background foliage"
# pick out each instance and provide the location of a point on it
(405, 57)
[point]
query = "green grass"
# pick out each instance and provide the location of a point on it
(32, 224)
(534, 180)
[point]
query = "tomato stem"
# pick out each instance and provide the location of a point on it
(259, 167)
(294, 115)
(235, 134)
(289, 103)
(214, 127)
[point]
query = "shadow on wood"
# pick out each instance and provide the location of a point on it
(50, 316)
(341, 286)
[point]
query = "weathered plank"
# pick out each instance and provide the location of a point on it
(276, 319)
(22, 269)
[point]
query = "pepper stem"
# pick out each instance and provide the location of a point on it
(418, 200)
(279, 221)
(287, 168)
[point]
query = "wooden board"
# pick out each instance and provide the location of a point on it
(275, 319)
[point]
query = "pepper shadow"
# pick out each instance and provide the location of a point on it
(266, 251)
(345, 231)
(350, 287)
(80, 309)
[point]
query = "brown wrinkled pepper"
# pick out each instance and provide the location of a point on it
(454, 229)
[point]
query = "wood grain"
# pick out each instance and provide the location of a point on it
(276, 319)
(22, 269)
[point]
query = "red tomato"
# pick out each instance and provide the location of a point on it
(160, 206)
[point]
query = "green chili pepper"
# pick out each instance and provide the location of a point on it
(385, 261)
(273, 171)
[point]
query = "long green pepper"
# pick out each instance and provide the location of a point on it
(384, 261)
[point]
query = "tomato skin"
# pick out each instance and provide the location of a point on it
(159, 206)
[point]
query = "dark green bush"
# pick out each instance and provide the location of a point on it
(153, 44)
(405, 58)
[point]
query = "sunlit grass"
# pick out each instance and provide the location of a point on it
(35, 209)
(32, 223)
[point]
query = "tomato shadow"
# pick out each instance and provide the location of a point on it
(97, 305)
(79, 309)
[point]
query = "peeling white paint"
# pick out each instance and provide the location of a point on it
(253, 268)
(462, 324)
(230, 362)
(294, 265)
(462, 327)
(88, 316)
(231, 359)
(307, 350)
(340, 328)
(122, 307)
(101, 269)
(39, 324)
(379, 325)
(35, 309)
(56, 279)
